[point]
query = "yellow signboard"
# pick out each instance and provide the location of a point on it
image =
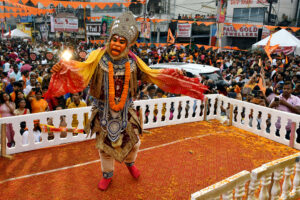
(25, 27)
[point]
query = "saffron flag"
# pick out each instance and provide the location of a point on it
(171, 38)
(9, 35)
(270, 49)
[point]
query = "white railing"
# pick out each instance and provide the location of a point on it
(261, 128)
(191, 111)
(185, 109)
(264, 180)
(56, 116)
(187, 114)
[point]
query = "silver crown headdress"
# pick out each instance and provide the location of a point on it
(125, 26)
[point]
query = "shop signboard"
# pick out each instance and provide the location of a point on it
(66, 24)
(93, 29)
(145, 30)
(229, 31)
(184, 30)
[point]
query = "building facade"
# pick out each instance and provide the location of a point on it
(283, 13)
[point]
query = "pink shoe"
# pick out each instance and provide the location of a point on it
(134, 171)
(104, 183)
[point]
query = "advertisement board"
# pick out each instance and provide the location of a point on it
(230, 31)
(44, 32)
(66, 24)
(105, 25)
(184, 30)
(145, 30)
(93, 29)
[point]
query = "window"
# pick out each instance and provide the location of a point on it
(244, 15)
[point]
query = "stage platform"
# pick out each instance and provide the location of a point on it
(175, 161)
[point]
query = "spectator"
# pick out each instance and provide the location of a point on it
(21, 108)
(37, 131)
(24, 132)
(288, 103)
(16, 87)
(30, 86)
(76, 101)
(7, 108)
(37, 103)
(10, 88)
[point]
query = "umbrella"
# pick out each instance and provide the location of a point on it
(26, 67)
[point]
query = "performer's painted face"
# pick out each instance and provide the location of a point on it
(117, 45)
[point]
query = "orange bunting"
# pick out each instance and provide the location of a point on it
(270, 27)
(294, 29)
(237, 26)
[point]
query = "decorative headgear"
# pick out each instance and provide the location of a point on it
(125, 26)
(37, 121)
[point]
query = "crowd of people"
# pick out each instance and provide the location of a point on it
(25, 70)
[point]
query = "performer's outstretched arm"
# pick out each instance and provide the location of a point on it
(73, 76)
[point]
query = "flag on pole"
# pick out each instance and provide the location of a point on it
(171, 38)
(2, 31)
(9, 35)
(270, 49)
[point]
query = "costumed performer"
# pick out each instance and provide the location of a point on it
(113, 74)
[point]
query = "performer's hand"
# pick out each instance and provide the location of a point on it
(56, 68)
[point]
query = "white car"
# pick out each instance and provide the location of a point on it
(211, 72)
(195, 69)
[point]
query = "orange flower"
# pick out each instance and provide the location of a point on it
(111, 97)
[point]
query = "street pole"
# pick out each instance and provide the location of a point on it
(270, 9)
(85, 39)
(144, 21)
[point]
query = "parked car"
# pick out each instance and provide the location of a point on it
(211, 72)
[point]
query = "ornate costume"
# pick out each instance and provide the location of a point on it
(112, 73)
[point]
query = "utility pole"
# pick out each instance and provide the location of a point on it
(145, 10)
(270, 9)
(85, 39)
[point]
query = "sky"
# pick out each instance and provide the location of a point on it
(195, 7)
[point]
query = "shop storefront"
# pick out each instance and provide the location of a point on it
(242, 38)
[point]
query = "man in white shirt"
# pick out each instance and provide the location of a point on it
(6, 66)
(15, 73)
(29, 87)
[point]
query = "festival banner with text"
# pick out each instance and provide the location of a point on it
(243, 31)
(184, 30)
(66, 24)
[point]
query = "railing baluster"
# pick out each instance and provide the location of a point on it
(296, 182)
(254, 183)
(286, 186)
(228, 195)
(264, 191)
(276, 189)
(240, 191)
